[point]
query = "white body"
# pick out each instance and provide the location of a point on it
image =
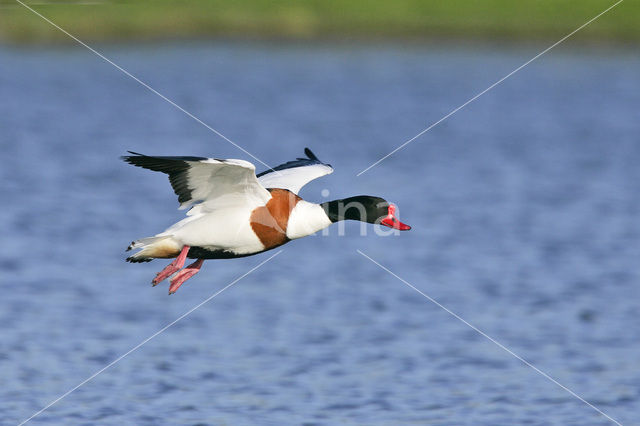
(229, 229)
(222, 229)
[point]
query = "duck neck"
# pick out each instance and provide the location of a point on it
(352, 208)
(306, 219)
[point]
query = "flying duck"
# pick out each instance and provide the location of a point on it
(236, 213)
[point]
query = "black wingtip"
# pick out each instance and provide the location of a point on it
(128, 158)
(310, 154)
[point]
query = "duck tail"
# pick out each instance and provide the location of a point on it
(160, 246)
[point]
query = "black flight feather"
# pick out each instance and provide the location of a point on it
(175, 167)
(298, 162)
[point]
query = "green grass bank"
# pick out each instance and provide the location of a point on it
(96, 20)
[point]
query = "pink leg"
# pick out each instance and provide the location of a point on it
(184, 275)
(171, 268)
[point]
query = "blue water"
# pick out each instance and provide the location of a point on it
(524, 207)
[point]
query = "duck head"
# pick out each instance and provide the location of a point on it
(364, 208)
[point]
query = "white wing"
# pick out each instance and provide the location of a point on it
(213, 182)
(293, 175)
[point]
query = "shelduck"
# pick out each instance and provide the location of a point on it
(236, 213)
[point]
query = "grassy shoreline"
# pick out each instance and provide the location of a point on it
(319, 19)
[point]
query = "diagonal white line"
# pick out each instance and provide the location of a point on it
(500, 345)
(147, 339)
(145, 85)
(491, 87)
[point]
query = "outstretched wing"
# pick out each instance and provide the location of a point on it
(293, 175)
(212, 181)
